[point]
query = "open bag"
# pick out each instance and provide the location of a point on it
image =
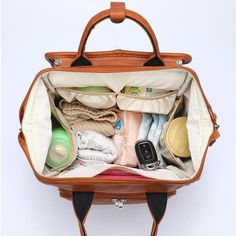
(58, 96)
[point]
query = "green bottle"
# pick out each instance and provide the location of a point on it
(60, 148)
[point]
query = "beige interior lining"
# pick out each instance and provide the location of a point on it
(36, 124)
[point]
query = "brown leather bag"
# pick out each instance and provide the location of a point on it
(115, 186)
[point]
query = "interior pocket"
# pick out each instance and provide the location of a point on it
(59, 117)
(94, 100)
(156, 104)
(164, 150)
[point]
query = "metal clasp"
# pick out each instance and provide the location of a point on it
(179, 62)
(57, 62)
(119, 202)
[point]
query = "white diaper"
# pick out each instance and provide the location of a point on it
(150, 129)
(145, 126)
(94, 147)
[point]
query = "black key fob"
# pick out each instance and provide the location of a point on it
(147, 156)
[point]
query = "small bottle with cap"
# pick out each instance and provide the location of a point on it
(60, 148)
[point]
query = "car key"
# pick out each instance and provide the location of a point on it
(146, 154)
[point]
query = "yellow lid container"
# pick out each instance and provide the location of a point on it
(177, 138)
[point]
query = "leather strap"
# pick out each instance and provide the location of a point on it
(117, 13)
(157, 203)
(82, 202)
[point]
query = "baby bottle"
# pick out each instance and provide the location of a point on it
(60, 148)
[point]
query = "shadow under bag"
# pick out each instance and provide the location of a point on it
(115, 127)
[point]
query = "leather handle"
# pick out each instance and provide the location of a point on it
(117, 13)
(82, 202)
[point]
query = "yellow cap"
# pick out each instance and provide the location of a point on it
(177, 137)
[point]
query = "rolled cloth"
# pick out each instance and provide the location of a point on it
(81, 117)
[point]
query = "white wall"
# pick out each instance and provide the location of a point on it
(204, 29)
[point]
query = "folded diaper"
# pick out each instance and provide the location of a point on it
(145, 126)
(103, 127)
(94, 147)
(156, 128)
(81, 117)
(74, 111)
(150, 129)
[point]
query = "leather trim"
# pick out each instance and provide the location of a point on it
(106, 198)
(117, 12)
(132, 58)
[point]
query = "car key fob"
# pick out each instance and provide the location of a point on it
(146, 154)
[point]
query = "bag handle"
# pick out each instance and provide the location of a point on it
(82, 202)
(117, 13)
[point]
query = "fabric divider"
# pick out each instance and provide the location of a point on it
(158, 104)
(94, 100)
(57, 114)
(171, 172)
(168, 79)
(36, 125)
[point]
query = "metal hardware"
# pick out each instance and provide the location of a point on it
(57, 62)
(119, 202)
(216, 126)
(152, 166)
(179, 61)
